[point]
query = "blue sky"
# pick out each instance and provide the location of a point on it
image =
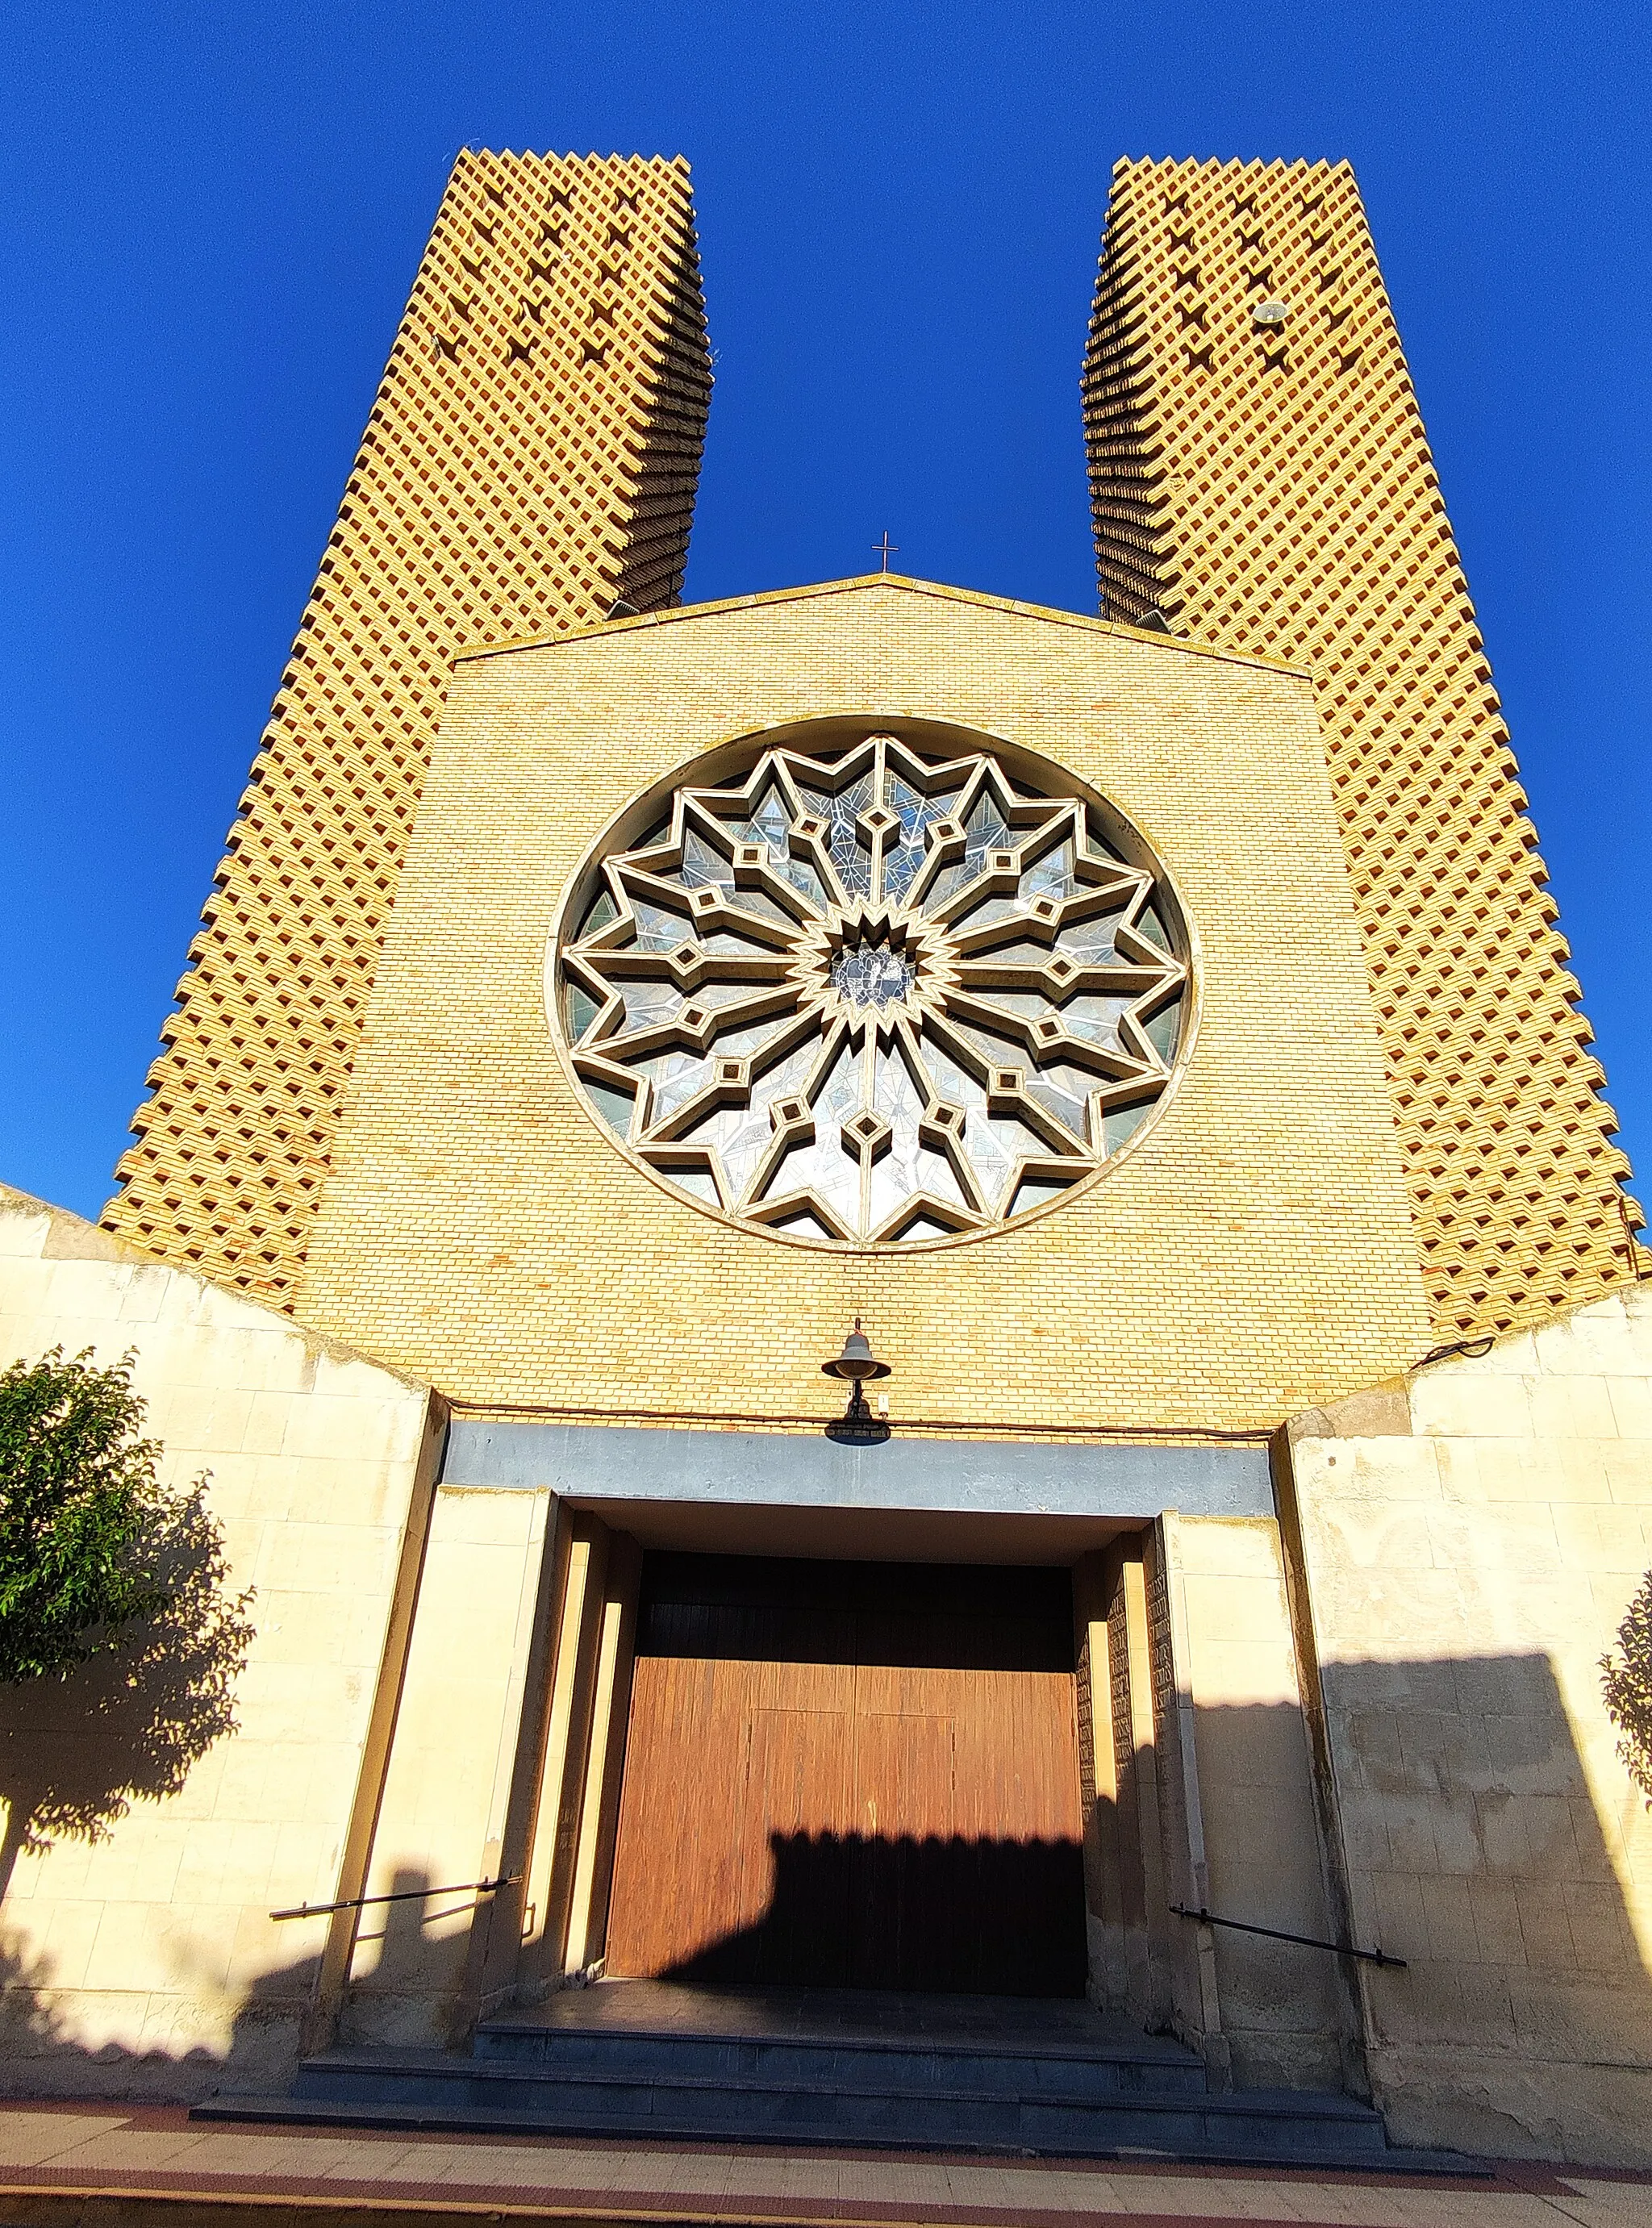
(211, 216)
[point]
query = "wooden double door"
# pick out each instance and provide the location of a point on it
(852, 1774)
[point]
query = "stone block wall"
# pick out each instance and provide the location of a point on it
(474, 1675)
(137, 1950)
(1468, 1542)
(1248, 1804)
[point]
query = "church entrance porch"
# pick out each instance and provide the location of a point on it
(858, 1776)
(939, 1722)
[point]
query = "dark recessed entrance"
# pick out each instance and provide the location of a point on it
(851, 1774)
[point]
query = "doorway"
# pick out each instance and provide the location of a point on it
(852, 1774)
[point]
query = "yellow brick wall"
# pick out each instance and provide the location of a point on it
(1271, 489)
(530, 457)
(1253, 1250)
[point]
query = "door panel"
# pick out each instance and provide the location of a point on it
(903, 1915)
(834, 1802)
(800, 1808)
(678, 1864)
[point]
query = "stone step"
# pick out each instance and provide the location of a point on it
(906, 2064)
(436, 2090)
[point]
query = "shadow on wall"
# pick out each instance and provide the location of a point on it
(952, 1916)
(46, 2057)
(47, 2053)
(1285, 2021)
(411, 1963)
(1522, 2026)
(76, 1752)
(1475, 1852)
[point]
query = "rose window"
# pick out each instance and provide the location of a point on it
(870, 993)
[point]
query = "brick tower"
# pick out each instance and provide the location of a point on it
(531, 459)
(1260, 477)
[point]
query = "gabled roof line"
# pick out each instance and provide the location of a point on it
(899, 583)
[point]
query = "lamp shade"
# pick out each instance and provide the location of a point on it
(857, 1361)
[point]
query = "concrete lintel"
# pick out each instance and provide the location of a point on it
(771, 1468)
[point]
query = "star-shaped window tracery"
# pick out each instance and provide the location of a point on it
(873, 995)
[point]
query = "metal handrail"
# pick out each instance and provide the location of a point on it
(1304, 1941)
(401, 1895)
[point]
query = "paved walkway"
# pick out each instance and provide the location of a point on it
(83, 2163)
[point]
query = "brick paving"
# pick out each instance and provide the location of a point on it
(108, 2163)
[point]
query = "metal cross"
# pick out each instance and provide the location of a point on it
(885, 549)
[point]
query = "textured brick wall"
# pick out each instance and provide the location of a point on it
(1269, 487)
(531, 455)
(1256, 1243)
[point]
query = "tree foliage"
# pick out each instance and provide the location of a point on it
(119, 1586)
(1627, 1680)
(80, 1497)
(131, 1724)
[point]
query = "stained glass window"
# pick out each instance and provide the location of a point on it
(870, 994)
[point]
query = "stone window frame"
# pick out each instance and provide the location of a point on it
(741, 895)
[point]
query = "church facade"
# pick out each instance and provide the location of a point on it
(1149, 1030)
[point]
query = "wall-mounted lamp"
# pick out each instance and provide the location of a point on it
(857, 1363)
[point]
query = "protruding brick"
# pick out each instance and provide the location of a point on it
(1269, 486)
(530, 460)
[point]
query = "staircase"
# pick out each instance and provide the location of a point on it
(1023, 2076)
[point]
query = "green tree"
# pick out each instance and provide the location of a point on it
(1627, 1679)
(80, 1494)
(117, 1584)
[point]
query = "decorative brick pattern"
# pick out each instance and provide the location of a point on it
(1260, 477)
(531, 457)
